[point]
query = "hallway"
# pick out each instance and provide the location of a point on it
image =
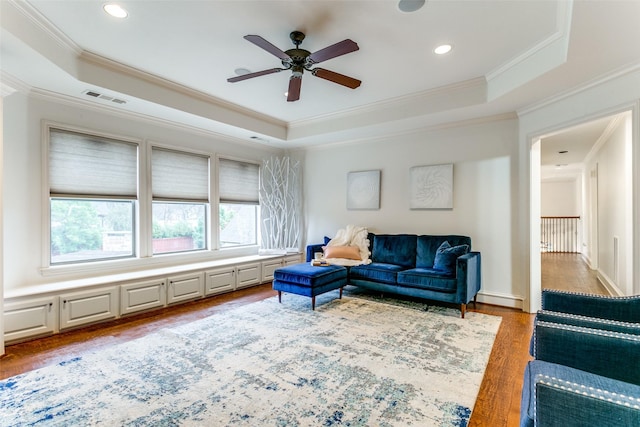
(569, 272)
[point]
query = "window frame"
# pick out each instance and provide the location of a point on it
(46, 263)
(207, 206)
(255, 244)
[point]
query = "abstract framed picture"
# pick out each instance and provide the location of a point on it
(363, 190)
(431, 187)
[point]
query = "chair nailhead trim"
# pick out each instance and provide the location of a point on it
(605, 395)
(610, 297)
(593, 319)
(590, 331)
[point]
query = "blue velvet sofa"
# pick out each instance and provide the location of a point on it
(418, 266)
(586, 370)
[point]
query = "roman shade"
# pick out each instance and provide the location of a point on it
(82, 165)
(179, 176)
(238, 181)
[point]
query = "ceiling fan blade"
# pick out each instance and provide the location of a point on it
(295, 83)
(260, 42)
(340, 48)
(252, 75)
(332, 76)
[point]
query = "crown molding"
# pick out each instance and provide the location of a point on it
(598, 81)
(139, 117)
(602, 139)
(443, 98)
(106, 63)
(413, 131)
(43, 24)
(10, 84)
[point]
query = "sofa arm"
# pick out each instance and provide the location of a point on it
(469, 277)
(623, 309)
(312, 249)
(556, 395)
(609, 354)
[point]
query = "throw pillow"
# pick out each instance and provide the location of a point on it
(446, 257)
(347, 252)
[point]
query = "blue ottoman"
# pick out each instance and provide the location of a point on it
(307, 280)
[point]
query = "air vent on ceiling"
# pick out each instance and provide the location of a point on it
(98, 95)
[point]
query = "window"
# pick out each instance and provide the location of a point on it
(239, 202)
(180, 186)
(92, 193)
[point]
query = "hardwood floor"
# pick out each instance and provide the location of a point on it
(569, 272)
(498, 401)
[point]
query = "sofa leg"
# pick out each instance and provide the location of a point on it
(280, 297)
(340, 292)
(313, 303)
(475, 299)
(463, 309)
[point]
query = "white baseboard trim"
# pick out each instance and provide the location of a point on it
(502, 300)
(608, 284)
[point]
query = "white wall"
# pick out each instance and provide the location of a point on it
(560, 198)
(614, 188)
(483, 162)
(24, 194)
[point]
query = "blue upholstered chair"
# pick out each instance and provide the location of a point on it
(586, 370)
(622, 309)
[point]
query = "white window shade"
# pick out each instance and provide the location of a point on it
(238, 182)
(179, 176)
(86, 165)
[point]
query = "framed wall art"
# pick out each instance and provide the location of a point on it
(431, 187)
(363, 190)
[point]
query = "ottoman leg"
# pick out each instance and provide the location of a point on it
(280, 297)
(340, 292)
(313, 303)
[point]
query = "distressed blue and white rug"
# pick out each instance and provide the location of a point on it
(352, 362)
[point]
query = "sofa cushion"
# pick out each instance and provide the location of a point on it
(446, 257)
(376, 272)
(427, 278)
(399, 249)
(428, 245)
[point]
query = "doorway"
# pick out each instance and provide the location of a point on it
(585, 171)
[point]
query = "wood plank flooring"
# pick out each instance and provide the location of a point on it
(569, 272)
(498, 403)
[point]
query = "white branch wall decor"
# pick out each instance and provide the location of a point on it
(280, 204)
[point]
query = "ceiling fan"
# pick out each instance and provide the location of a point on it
(297, 60)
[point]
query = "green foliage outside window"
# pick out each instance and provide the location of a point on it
(75, 226)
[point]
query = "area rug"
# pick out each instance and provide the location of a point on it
(351, 362)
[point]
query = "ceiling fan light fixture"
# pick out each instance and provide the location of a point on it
(241, 71)
(410, 5)
(442, 49)
(115, 10)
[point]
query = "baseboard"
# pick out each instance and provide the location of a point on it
(502, 300)
(608, 284)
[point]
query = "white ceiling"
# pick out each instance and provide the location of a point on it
(170, 59)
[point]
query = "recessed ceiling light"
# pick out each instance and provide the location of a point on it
(410, 5)
(115, 10)
(241, 71)
(442, 49)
